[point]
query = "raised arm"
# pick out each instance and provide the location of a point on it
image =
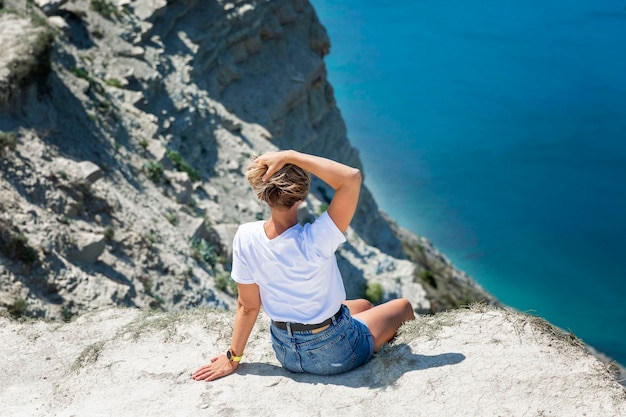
(345, 180)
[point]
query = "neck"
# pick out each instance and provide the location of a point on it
(281, 220)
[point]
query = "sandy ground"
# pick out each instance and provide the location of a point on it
(476, 362)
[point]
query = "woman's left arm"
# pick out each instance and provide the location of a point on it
(248, 306)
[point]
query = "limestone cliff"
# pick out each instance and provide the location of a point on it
(125, 128)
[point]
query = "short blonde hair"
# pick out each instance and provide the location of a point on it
(287, 186)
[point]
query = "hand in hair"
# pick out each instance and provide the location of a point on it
(345, 180)
(276, 182)
(274, 161)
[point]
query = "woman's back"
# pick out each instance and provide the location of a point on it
(296, 272)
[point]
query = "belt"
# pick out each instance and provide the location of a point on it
(299, 327)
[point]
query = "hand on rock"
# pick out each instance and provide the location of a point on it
(220, 366)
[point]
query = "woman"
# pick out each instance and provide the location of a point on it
(292, 271)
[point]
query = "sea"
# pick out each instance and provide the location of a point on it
(497, 130)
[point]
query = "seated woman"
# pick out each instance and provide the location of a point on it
(291, 270)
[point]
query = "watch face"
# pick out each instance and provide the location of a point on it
(229, 355)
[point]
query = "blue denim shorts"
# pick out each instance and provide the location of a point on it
(345, 345)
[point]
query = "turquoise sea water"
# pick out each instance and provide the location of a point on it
(497, 129)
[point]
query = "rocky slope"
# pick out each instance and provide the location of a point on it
(125, 129)
(466, 362)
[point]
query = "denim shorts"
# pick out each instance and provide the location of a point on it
(345, 345)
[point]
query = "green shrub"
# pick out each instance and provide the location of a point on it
(374, 292)
(80, 73)
(428, 277)
(182, 165)
(157, 302)
(223, 282)
(16, 246)
(67, 314)
(173, 219)
(104, 106)
(323, 207)
(154, 171)
(7, 140)
(108, 232)
(146, 282)
(202, 251)
(104, 8)
(114, 82)
(18, 308)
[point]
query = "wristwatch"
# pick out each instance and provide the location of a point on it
(231, 356)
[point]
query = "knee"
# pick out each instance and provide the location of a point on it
(407, 309)
(364, 304)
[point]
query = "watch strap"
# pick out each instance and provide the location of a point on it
(231, 356)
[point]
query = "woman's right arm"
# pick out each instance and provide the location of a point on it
(248, 306)
(345, 180)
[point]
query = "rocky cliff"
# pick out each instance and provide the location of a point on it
(125, 129)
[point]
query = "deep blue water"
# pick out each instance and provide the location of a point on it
(497, 129)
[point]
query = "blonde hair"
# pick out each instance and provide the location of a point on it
(286, 187)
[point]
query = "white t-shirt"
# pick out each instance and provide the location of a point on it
(296, 272)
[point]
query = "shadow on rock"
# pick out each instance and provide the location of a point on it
(387, 366)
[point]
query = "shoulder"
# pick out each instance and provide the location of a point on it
(326, 224)
(324, 234)
(250, 226)
(248, 231)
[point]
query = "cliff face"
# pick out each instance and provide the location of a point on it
(125, 130)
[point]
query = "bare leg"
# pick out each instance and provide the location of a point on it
(358, 306)
(384, 320)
